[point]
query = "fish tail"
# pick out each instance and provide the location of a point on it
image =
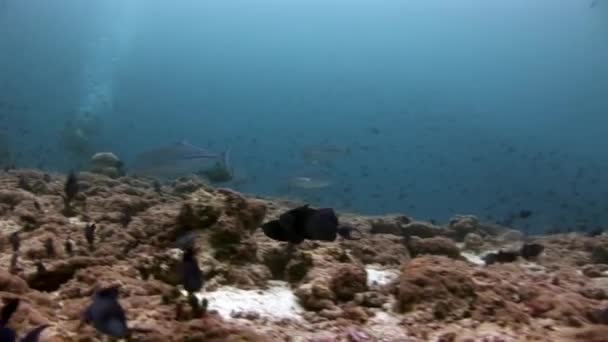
(226, 160)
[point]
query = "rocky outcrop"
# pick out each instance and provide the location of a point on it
(433, 246)
(106, 163)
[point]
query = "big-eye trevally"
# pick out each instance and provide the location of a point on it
(306, 182)
(323, 154)
(174, 160)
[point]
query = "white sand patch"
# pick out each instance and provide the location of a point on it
(474, 258)
(7, 227)
(379, 276)
(387, 327)
(533, 267)
(77, 223)
(275, 303)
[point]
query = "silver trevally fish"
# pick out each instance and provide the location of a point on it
(311, 179)
(304, 182)
(175, 160)
(323, 154)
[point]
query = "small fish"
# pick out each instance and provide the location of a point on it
(173, 161)
(69, 246)
(299, 224)
(7, 334)
(71, 187)
(304, 182)
(89, 234)
(14, 267)
(49, 247)
(7, 311)
(34, 334)
(595, 232)
(186, 240)
(524, 214)
(40, 268)
(531, 250)
(15, 241)
(106, 314)
(501, 257)
(323, 154)
(191, 274)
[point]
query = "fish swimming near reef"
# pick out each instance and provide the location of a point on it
(7, 334)
(175, 160)
(305, 223)
(106, 314)
(191, 274)
(303, 182)
(220, 172)
(310, 179)
(323, 154)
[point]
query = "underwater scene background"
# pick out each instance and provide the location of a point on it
(430, 108)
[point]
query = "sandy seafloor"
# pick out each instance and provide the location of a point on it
(406, 280)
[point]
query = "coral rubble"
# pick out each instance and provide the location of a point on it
(406, 280)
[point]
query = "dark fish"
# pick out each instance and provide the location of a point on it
(13, 267)
(69, 246)
(7, 334)
(524, 214)
(501, 257)
(34, 334)
(192, 277)
(89, 234)
(186, 241)
(531, 250)
(8, 310)
(106, 314)
(40, 268)
(173, 160)
(299, 224)
(49, 247)
(599, 316)
(323, 154)
(15, 241)
(157, 187)
(595, 232)
(71, 187)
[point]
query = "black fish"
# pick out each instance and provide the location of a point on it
(192, 277)
(71, 187)
(69, 246)
(106, 314)
(34, 334)
(524, 214)
(595, 232)
(531, 250)
(15, 241)
(49, 247)
(7, 334)
(303, 223)
(89, 234)
(8, 310)
(501, 257)
(13, 267)
(40, 268)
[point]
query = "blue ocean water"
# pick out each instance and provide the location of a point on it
(441, 107)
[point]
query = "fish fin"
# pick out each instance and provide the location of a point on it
(226, 160)
(8, 310)
(34, 334)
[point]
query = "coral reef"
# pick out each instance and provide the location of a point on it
(406, 280)
(106, 163)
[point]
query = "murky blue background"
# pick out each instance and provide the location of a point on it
(468, 106)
